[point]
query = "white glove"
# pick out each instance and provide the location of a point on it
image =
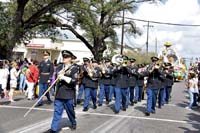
(65, 78)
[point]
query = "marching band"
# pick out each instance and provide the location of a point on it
(118, 77)
(127, 82)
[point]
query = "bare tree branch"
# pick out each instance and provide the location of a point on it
(45, 9)
(68, 27)
(42, 23)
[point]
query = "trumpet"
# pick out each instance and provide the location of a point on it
(103, 67)
(154, 66)
(125, 63)
(105, 70)
(91, 71)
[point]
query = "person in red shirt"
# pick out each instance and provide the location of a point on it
(32, 79)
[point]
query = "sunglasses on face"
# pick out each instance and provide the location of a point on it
(66, 56)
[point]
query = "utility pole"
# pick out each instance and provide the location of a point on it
(156, 46)
(147, 42)
(122, 39)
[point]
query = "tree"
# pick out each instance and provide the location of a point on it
(98, 18)
(24, 18)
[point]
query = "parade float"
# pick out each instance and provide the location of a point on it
(169, 54)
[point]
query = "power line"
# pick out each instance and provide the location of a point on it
(165, 23)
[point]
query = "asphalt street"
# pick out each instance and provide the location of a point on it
(172, 118)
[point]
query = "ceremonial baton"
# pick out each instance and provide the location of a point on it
(63, 70)
(40, 97)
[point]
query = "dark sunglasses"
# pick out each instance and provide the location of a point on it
(66, 56)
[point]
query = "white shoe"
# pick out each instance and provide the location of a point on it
(12, 101)
(188, 108)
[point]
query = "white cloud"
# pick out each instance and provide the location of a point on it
(184, 39)
(4, 0)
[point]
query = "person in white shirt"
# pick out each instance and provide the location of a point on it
(192, 87)
(13, 80)
(4, 72)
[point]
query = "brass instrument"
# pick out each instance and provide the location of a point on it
(125, 63)
(91, 71)
(80, 75)
(156, 65)
(103, 67)
(105, 70)
(151, 67)
(117, 59)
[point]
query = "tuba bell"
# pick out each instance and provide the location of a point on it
(117, 59)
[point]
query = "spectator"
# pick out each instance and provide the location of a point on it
(4, 72)
(32, 78)
(13, 80)
(22, 80)
(192, 83)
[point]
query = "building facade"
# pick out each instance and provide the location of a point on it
(34, 49)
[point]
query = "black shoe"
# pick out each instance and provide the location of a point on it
(51, 131)
(159, 106)
(116, 112)
(147, 113)
(78, 101)
(85, 109)
(124, 109)
(132, 103)
(49, 102)
(153, 112)
(99, 104)
(38, 105)
(135, 102)
(95, 107)
(30, 99)
(73, 127)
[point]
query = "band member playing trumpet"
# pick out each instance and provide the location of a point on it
(105, 81)
(164, 83)
(65, 91)
(122, 84)
(132, 79)
(153, 84)
(91, 84)
(86, 62)
(141, 73)
(169, 82)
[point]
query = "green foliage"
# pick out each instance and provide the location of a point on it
(99, 18)
(140, 57)
(24, 19)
